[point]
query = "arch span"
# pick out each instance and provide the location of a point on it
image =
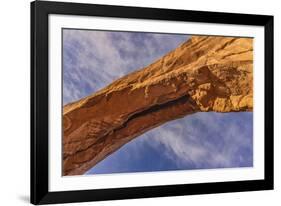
(205, 73)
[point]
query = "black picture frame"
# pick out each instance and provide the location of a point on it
(40, 112)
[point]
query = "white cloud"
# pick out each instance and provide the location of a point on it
(205, 140)
(93, 59)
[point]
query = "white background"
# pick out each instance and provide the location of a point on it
(14, 103)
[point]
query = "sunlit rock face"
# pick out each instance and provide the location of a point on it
(201, 75)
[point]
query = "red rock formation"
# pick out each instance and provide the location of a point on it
(203, 74)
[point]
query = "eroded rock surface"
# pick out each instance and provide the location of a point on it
(203, 74)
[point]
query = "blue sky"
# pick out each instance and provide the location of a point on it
(93, 59)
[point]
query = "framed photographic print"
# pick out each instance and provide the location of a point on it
(131, 102)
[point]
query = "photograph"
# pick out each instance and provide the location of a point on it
(155, 102)
(135, 102)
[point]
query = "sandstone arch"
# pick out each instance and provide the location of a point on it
(206, 73)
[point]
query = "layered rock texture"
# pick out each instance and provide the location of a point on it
(206, 73)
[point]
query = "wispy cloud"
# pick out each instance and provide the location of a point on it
(207, 140)
(93, 59)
